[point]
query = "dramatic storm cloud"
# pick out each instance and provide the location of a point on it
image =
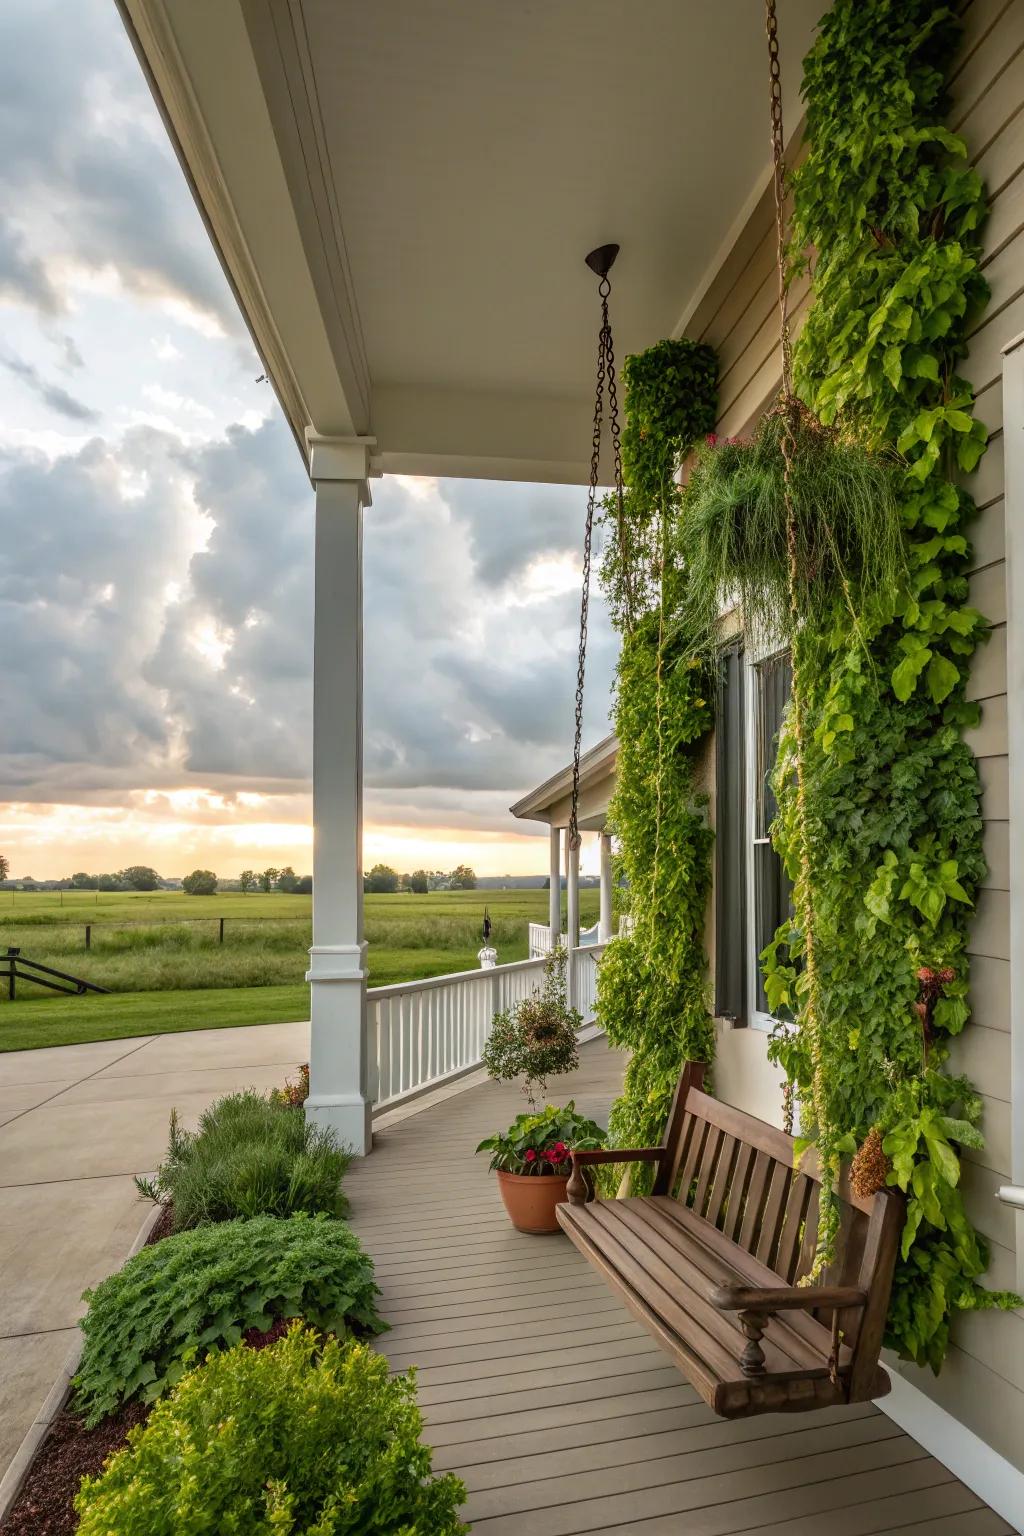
(156, 589)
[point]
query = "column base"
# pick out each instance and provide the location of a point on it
(338, 1065)
(347, 1115)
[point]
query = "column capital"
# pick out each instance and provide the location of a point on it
(341, 458)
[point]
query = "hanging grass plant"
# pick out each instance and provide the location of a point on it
(849, 543)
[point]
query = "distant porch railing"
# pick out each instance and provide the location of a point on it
(540, 939)
(423, 1033)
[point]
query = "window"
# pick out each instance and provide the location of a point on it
(752, 891)
(769, 890)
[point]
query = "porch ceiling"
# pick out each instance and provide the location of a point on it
(403, 194)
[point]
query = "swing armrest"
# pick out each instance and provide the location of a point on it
(578, 1189)
(785, 1298)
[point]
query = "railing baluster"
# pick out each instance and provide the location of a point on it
(421, 1032)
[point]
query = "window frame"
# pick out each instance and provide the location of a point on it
(753, 657)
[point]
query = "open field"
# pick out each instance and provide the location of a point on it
(159, 954)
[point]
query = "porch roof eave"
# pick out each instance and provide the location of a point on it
(549, 802)
(401, 199)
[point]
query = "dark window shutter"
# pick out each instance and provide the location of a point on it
(730, 840)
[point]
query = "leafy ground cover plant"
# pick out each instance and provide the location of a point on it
(203, 1289)
(542, 1143)
(308, 1436)
(251, 1156)
(536, 1038)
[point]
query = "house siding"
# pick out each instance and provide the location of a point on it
(982, 1383)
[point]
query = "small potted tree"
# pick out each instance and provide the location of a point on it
(532, 1041)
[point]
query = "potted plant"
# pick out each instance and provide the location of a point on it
(533, 1161)
(536, 1038)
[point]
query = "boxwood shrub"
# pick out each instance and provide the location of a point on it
(307, 1437)
(174, 1301)
(251, 1156)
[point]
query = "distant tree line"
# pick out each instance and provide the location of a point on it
(201, 882)
(383, 880)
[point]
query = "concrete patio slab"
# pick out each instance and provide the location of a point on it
(108, 1089)
(64, 1062)
(255, 1044)
(90, 1225)
(88, 1141)
(26, 1365)
(76, 1122)
(21, 1096)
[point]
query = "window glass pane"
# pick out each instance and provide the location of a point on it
(772, 887)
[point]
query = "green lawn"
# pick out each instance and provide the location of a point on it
(167, 971)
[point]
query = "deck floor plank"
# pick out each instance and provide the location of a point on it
(557, 1409)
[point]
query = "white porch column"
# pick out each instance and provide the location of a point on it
(604, 925)
(572, 923)
(339, 1089)
(572, 889)
(555, 891)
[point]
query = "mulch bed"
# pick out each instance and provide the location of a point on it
(45, 1504)
(164, 1226)
(44, 1507)
(70, 1451)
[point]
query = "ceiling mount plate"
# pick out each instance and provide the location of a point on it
(602, 260)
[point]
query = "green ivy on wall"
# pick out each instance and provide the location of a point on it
(887, 201)
(652, 984)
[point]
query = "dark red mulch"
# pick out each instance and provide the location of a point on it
(259, 1338)
(164, 1226)
(44, 1506)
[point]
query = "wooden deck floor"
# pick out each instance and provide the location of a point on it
(557, 1410)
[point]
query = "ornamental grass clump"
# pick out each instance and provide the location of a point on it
(251, 1156)
(196, 1291)
(732, 533)
(308, 1437)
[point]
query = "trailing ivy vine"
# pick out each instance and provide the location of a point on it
(652, 984)
(889, 205)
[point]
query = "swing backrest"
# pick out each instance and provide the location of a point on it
(737, 1174)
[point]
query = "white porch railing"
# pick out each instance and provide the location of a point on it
(540, 939)
(424, 1032)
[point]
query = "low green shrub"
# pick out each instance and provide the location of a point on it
(197, 1290)
(251, 1156)
(305, 1437)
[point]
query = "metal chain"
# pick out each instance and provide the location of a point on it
(787, 444)
(779, 183)
(605, 374)
(613, 423)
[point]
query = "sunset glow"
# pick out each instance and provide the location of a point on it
(178, 830)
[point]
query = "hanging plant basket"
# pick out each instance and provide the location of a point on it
(848, 539)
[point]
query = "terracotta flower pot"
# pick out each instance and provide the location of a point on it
(530, 1199)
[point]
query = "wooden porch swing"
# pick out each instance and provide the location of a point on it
(710, 1261)
(716, 1261)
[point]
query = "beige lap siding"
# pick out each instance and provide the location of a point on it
(983, 1381)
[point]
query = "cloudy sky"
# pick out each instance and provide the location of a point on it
(155, 587)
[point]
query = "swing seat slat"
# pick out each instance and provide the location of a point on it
(711, 1261)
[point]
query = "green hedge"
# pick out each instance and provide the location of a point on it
(194, 1291)
(296, 1438)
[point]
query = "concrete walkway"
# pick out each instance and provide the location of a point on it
(76, 1122)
